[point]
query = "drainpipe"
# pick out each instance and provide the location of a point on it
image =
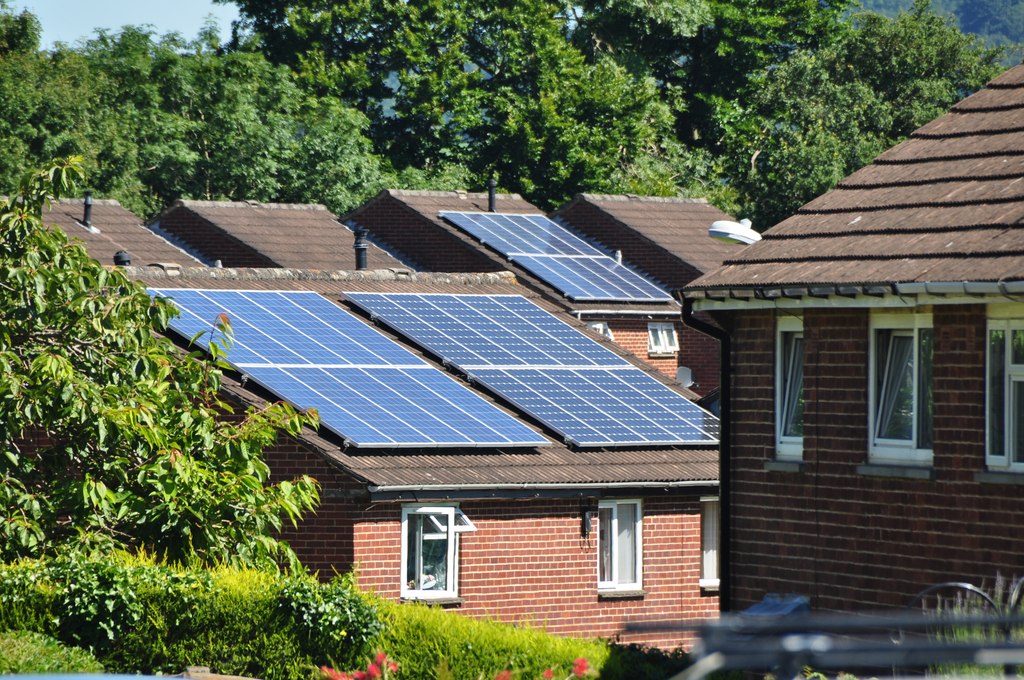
(360, 248)
(724, 446)
(492, 197)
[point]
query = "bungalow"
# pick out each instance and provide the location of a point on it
(488, 232)
(463, 462)
(877, 362)
(666, 238)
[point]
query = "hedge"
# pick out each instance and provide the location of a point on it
(24, 652)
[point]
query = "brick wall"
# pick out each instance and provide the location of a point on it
(209, 241)
(525, 563)
(849, 540)
(697, 351)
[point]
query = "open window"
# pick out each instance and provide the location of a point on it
(789, 388)
(710, 531)
(619, 545)
(902, 406)
(430, 543)
(661, 338)
(1005, 395)
(601, 327)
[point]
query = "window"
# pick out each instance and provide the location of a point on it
(661, 338)
(619, 545)
(1005, 408)
(710, 520)
(430, 548)
(601, 327)
(901, 388)
(789, 389)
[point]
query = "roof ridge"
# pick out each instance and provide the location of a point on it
(458, 193)
(293, 274)
(95, 201)
(190, 203)
(642, 199)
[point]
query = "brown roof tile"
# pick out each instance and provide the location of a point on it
(484, 469)
(266, 234)
(945, 205)
(113, 228)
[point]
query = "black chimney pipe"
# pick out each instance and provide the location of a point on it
(492, 197)
(122, 259)
(360, 247)
(87, 217)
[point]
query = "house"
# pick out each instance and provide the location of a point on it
(106, 230)
(877, 360)
(666, 238)
(446, 475)
(250, 234)
(443, 231)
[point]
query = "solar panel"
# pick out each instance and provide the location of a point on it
(559, 257)
(564, 379)
(367, 388)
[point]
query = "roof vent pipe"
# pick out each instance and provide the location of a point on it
(618, 256)
(360, 248)
(121, 258)
(492, 197)
(87, 216)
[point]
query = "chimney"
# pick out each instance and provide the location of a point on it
(87, 217)
(121, 258)
(360, 248)
(492, 197)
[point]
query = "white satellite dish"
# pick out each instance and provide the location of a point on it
(733, 232)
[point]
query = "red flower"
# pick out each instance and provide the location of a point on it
(580, 667)
(328, 673)
(392, 666)
(548, 674)
(504, 675)
(360, 675)
(373, 671)
(381, 659)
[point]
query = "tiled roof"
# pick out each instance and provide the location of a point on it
(407, 222)
(113, 228)
(266, 235)
(946, 205)
(665, 237)
(484, 469)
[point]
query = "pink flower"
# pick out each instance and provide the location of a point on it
(548, 674)
(381, 659)
(580, 667)
(504, 675)
(328, 673)
(373, 671)
(392, 666)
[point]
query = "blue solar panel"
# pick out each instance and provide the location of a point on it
(367, 388)
(557, 256)
(564, 379)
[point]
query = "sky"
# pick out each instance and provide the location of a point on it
(69, 20)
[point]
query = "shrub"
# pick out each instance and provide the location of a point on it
(24, 652)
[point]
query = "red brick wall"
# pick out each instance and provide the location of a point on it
(212, 243)
(697, 351)
(848, 540)
(525, 563)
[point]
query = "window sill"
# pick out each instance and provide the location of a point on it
(440, 601)
(709, 584)
(621, 594)
(784, 466)
(662, 355)
(999, 477)
(897, 471)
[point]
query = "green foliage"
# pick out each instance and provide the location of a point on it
(637, 662)
(24, 652)
(139, 616)
(431, 642)
(111, 437)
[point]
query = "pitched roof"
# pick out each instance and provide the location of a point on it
(485, 471)
(665, 237)
(242, 234)
(946, 205)
(408, 222)
(113, 228)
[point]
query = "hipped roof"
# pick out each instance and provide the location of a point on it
(946, 205)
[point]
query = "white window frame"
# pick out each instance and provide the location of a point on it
(455, 523)
(1003, 392)
(788, 447)
(889, 450)
(710, 540)
(610, 535)
(602, 328)
(662, 338)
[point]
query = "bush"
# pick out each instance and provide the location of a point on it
(140, 617)
(27, 652)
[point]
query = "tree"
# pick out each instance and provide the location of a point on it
(110, 435)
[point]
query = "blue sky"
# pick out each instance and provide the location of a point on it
(70, 20)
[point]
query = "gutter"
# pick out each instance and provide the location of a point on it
(724, 447)
(484, 491)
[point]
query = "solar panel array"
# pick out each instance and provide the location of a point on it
(555, 255)
(367, 388)
(564, 379)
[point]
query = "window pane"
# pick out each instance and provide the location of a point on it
(427, 564)
(604, 544)
(996, 392)
(709, 540)
(1017, 417)
(926, 406)
(895, 386)
(627, 543)
(1017, 351)
(792, 385)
